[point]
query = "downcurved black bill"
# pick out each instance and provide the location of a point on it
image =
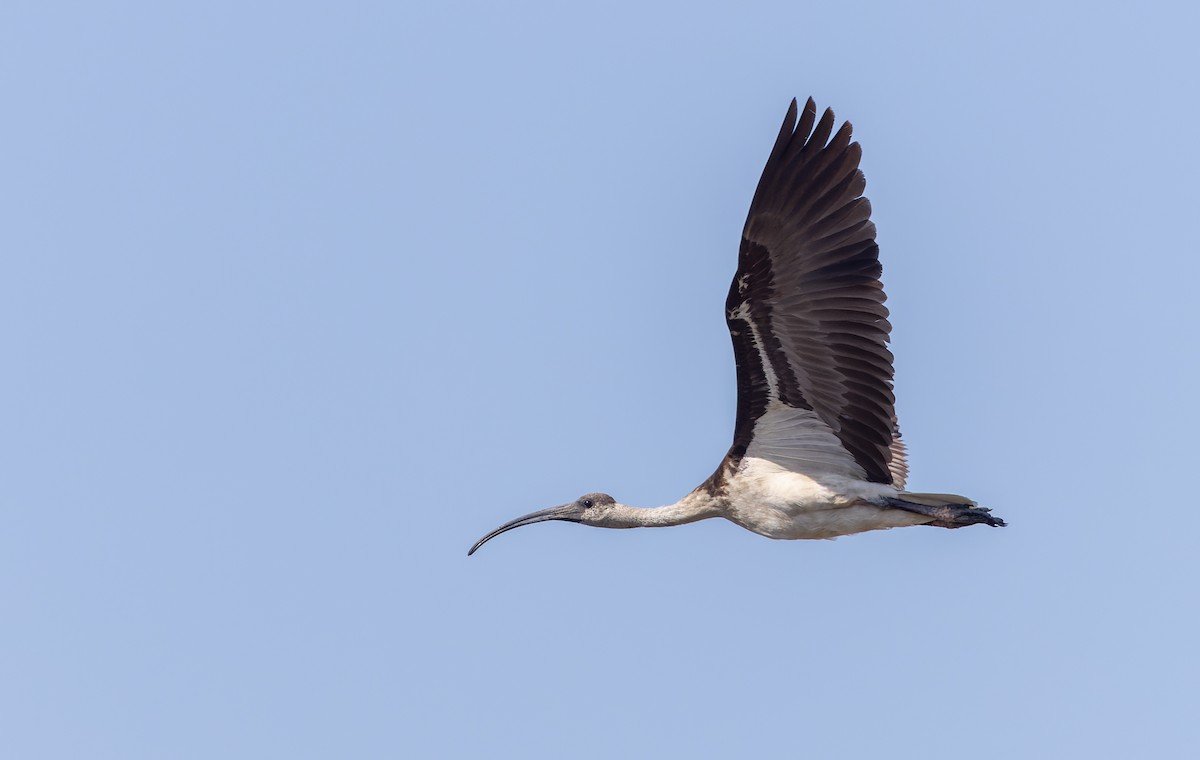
(568, 512)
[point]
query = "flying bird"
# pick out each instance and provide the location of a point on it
(816, 449)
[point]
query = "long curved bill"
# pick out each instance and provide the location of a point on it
(568, 512)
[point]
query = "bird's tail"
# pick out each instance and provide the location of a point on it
(936, 499)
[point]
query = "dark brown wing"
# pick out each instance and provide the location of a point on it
(805, 309)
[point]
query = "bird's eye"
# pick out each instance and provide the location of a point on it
(587, 503)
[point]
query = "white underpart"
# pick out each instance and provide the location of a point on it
(774, 501)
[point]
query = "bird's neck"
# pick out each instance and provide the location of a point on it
(693, 507)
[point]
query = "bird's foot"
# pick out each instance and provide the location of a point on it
(950, 515)
(960, 515)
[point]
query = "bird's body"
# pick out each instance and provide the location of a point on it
(816, 449)
(779, 503)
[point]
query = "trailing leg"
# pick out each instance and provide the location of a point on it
(947, 510)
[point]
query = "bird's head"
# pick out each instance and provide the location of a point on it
(598, 509)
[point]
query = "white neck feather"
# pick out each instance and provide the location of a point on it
(695, 506)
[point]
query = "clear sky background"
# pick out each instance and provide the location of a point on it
(298, 300)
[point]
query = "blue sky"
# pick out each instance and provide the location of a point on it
(298, 300)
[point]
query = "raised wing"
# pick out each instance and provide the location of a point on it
(806, 314)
